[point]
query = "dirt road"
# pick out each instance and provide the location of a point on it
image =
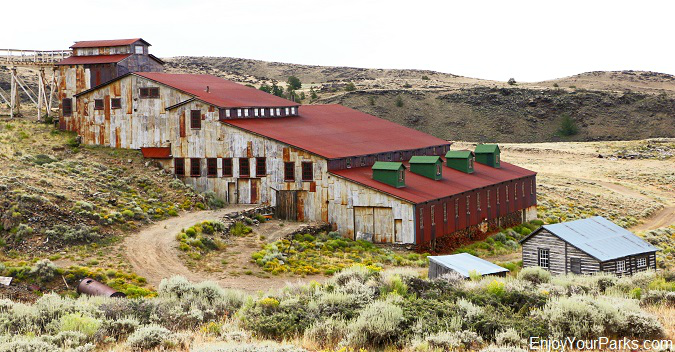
(153, 252)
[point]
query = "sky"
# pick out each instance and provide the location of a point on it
(527, 40)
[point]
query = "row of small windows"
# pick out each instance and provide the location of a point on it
(468, 203)
(244, 168)
(261, 112)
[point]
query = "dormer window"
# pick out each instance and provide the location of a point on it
(438, 169)
(139, 49)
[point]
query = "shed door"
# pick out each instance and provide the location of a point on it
(383, 225)
(243, 191)
(231, 193)
(363, 220)
(398, 229)
(286, 207)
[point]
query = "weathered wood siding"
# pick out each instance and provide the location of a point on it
(545, 240)
(589, 264)
(631, 264)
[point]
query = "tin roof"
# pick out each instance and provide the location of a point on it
(222, 93)
(486, 148)
(465, 263)
(156, 152)
(458, 154)
(106, 43)
(387, 165)
(420, 189)
(420, 159)
(335, 131)
(598, 237)
(93, 59)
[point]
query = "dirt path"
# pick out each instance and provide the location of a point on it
(153, 252)
(663, 218)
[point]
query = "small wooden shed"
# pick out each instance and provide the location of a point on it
(427, 166)
(587, 246)
(488, 154)
(461, 160)
(463, 264)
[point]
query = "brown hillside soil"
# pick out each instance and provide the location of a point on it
(153, 253)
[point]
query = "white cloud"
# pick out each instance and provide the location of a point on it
(527, 40)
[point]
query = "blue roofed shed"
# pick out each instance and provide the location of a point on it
(463, 264)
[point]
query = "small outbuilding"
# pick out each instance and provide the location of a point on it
(463, 264)
(587, 246)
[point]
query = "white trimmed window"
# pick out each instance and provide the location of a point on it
(293, 110)
(620, 266)
(255, 112)
(272, 112)
(227, 112)
(238, 112)
(246, 112)
(544, 258)
(262, 112)
(288, 111)
(641, 262)
(278, 111)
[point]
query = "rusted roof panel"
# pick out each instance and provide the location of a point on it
(420, 189)
(156, 152)
(94, 59)
(106, 43)
(222, 93)
(335, 131)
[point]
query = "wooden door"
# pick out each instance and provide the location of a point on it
(255, 190)
(286, 207)
(363, 221)
(243, 191)
(383, 225)
(231, 193)
(398, 229)
(300, 205)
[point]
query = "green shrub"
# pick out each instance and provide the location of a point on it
(376, 325)
(326, 333)
(84, 324)
(148, 336)
(239, 229)
(44, 270)
(271, 318)
(350, 87)
(568, 127)
(509, 337)
(447, 341)
(535, 275)
(399, 101)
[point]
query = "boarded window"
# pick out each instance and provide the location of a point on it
(244, 167)
(641, 262)
(67, 107)
(212, 167)
(575, 265)
(179, 166)
(98, 104)
(260, 167)
(307, 171)
(227, 167)
(289, 171)
(149, 92)
(196, 119)
(116, 103)
(421, 218)
(544, 258)
(195, 167)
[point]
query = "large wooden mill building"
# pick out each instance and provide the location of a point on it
(364, 175)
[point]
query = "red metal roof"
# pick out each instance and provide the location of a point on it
(156, 152)
(335, 131)
(106, 43)
(94, 59)
(222, 93)
(419, 189)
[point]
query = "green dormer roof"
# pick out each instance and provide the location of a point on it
(458, 154)
(486, 148)
(417, 159)
(387, 165)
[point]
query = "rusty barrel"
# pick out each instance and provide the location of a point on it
(91, 287)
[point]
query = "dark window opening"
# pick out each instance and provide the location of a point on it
(98, 104)
(260, 167)
(289, 171)
(363, 161)
(244, 167)
(307, 171)
(212, 167)
(67, 107)
(179, 166)
(349, 162)
(116, 103)
(195, 119)
(227, 167)
(195, 167)
(150, 92)
(575, 265)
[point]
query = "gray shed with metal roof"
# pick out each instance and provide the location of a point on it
(587, 246)
(463, 264)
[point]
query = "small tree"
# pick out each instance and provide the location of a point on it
(399, 101)
(276, 90)
(266, 88)
(312, 94)
(294, 83)
(512, 81)
(350, 87)
(371, 100)
(425, 78)
(568, 127)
